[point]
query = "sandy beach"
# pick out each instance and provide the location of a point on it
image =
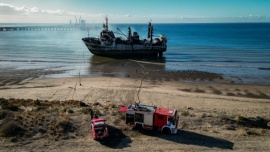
(215, 114)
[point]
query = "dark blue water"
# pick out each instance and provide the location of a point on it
(238, 51)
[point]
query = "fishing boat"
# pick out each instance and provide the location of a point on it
(107, 44)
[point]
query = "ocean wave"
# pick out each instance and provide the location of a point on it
(38, 61)
(214, 65)
(214, 61)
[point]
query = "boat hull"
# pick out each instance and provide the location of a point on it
(124, 49)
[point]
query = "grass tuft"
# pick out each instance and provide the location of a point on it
(86, 110)
(5, 104)
(97, 104)
(65, 126)
(3, 115)
(185, 113)
(11, 129)
(82, 104)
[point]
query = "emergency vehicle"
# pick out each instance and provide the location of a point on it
(99, 128)
(152, 117)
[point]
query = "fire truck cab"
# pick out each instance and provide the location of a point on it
(152, 118)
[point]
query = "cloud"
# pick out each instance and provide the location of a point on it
(128, 15)
(10, 9)
(15, 13)
(54, 12)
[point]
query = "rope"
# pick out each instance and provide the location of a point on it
(75, 86)
(79, 79)
(57, 89)
(140, 87)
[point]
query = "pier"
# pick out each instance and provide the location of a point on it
(42, 28)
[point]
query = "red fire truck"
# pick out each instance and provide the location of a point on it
(152, 117)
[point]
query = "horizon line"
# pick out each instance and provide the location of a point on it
(138, 23)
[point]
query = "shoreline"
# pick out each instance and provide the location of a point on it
(155, 69)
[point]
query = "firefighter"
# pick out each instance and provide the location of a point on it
(92, 114)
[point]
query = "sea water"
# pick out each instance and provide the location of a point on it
(238, 51)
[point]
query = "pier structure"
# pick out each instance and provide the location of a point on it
(42, 28)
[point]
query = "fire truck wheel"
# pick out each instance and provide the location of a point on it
(166, 131)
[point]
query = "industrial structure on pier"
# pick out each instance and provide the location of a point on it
(78, 25)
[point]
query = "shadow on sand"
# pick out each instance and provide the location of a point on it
(117, 139)
(192, 138)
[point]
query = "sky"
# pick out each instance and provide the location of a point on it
(134, 11)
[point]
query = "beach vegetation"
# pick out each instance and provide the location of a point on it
(217, 92)
(110, 106)
(86, 110)
(122, 115)
(97, 104)
(240, 94)
(184, 125)
(14, 139)
(230, 94)
(41, 108)
(5, 104)
(70, 111)
(114, 113)
(253, 132)
(11, 129)
(206, 115)
(263, 95)
(98, 112)
(224, 117)
(215, 131)
(3, 114)
(199, 91)
(37, 102)
(257, 122)
(230, 127)
(251, 95)
(186, 90)
(64, 126)
(203, 115)
(185, 113)
(82, 104)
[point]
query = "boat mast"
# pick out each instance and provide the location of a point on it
(150, 32)
(129, 34)
(106, 26)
